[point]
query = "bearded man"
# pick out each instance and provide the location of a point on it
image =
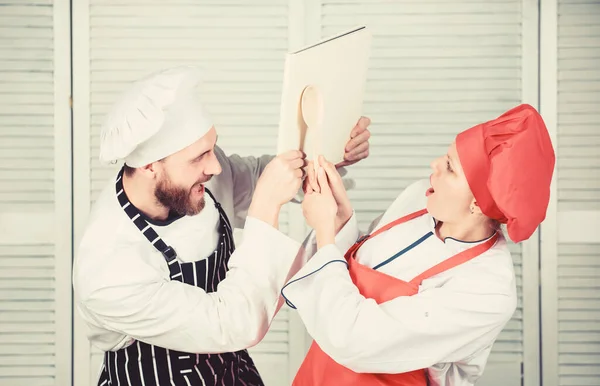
(157, 278)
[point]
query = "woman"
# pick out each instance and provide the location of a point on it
(424, 296)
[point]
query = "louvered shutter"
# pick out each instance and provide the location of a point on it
(578, 105)
(35, 184)
(436, 69)
(241, 46)
(571, 250)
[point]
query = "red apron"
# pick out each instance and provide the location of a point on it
(319, 369)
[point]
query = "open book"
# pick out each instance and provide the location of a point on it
(322, 97)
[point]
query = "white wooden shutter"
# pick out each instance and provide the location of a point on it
(35, 185)
(578, 105)
(436, 68)
(240, 44)
(571, 250)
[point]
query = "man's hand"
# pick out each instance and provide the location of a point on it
(277, 185)
(357, 147)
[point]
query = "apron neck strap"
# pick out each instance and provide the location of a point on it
(456, 260)
(399, 221)
(445, 265)
(213, 198)
(351, 253)
(141, 223)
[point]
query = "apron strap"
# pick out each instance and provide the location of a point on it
(445, 265)
(140, 222)
(399, 221)
(456, 260)
(221, 210)
(351, 253)
(212, 197)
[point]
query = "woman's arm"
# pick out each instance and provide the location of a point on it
(440, 325)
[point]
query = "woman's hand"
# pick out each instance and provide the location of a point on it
(320, 210)
(336, 185)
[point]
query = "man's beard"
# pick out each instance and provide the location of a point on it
(178, 199)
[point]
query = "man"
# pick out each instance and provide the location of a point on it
(156, 277)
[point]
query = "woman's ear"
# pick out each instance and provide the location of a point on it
(475, 209)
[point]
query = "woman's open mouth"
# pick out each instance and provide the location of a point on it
(430, 191)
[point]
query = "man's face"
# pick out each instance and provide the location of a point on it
(182, 176)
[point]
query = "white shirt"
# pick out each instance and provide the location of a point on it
(122, 286)
(448, 327)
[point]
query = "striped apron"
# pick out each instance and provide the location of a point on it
(148, 365)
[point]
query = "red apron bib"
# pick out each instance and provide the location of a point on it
(319, 369)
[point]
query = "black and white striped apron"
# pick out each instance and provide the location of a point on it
(148, 365)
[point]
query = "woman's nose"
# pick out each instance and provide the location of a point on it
(434, 164)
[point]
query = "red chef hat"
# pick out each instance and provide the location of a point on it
(509, 163)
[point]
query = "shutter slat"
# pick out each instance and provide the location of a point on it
(26, 317)
(395, 28)
(9, 349)
(564, 31)
(579, 141)
(182, 23)
(426, 19)
(19, 32)
(196, 11)
(578, 64)
(29, 338)
(375, 10)
(588, 19)
(457, 61)
(566, 380)
(144, 34)
(108, 84)
(33, 283)
(579, 85)
(26, 328)
(27, 371)
(580, 369)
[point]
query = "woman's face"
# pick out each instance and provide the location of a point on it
(449, 198)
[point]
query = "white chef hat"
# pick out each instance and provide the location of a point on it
(158, 116)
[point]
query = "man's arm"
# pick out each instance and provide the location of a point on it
(182, 317)
(245, 172)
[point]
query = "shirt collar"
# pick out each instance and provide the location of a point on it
(451, 242)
